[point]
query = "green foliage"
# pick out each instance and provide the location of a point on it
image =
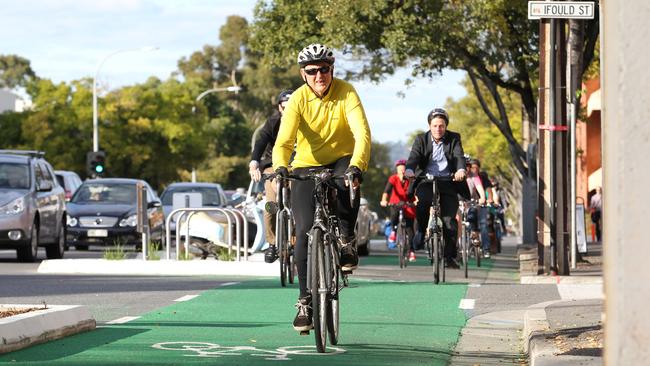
(15, 71)
(116, 252)
(11, 127)
(152, 251)
(481, 139)
(379, 169)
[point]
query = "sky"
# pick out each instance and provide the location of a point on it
(66, 40)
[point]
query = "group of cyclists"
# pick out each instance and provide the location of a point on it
(322, 124)
(481, 203)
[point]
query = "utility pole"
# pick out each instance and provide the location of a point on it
(553, 149)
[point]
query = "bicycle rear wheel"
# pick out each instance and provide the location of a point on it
(318, 289)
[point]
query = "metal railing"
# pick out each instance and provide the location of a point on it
(238, 216)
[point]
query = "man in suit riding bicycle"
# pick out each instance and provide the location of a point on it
(438, 152)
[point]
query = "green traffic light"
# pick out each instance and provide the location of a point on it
(99, 168)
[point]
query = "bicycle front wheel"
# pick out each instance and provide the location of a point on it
(436, 257)
(318, 289)
(333, 298)
(282, 248)
(400, 246)
(465, 253)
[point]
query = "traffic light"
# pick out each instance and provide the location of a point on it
(96, 163)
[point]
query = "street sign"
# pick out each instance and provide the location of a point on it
(561, 9)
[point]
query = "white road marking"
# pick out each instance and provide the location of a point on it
(474, 285)
(123, 320)
(228, 284)
(186, 297)
(466, 304)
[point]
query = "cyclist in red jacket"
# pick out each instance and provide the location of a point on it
(397, 189)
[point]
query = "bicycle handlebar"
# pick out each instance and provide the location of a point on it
(321, 175)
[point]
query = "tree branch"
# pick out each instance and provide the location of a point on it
(516, 151)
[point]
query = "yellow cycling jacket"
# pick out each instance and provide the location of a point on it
(324, 130)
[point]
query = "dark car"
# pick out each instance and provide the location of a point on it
(32, 206)
(103, 212)
(70, 181)
(212, 195)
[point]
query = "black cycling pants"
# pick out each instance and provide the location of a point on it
(303, 206)
(448, 208)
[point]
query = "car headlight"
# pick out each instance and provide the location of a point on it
(129, 221)
(72, 221)
(14, 207)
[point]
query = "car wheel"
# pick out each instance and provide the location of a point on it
(56, 250)
(29, 253)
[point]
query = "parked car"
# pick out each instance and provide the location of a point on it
(235, 197)
(212, 195)
(103, 212)
(70, 181)
(363, 228)
(32, 206)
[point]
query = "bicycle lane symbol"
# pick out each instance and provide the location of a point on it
(205, 349)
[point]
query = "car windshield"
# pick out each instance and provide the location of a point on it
(106, 193)
(14, 176)
(209, 195)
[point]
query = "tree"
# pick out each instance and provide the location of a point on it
(15, 71)
(492, 40)
(379, 169)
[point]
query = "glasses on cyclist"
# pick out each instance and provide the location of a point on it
(314, 71)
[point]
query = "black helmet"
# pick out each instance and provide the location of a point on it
(315, 52)
(438, 112)
(283, 96)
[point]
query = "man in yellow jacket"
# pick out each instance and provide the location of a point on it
(326, 121)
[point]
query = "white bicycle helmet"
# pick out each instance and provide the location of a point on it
(315, 52)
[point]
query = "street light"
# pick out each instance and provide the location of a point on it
(232, 89)
(99, 66)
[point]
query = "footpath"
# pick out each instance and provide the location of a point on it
(568, 331)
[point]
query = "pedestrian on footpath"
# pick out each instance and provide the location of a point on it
(596, 206)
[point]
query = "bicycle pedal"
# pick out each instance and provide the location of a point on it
(304, 333)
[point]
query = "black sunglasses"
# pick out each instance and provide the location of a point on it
(314, 71)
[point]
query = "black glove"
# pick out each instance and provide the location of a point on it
(282, 172)
(355, 171)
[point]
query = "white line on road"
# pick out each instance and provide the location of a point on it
(123, 320)
(466, 304)
(186, 297)
(228, 284)
(474, 285)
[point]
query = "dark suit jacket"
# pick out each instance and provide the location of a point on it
(263, 149)
(453, 149)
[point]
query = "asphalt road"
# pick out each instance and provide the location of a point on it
(107, 297)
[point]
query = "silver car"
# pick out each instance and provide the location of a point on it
(32, 206)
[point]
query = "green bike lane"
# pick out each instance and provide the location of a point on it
(249, 323)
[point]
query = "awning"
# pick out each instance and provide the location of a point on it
(595, 179)
(593, 104)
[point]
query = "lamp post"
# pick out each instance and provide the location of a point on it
(99, 66)
(232, 89)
